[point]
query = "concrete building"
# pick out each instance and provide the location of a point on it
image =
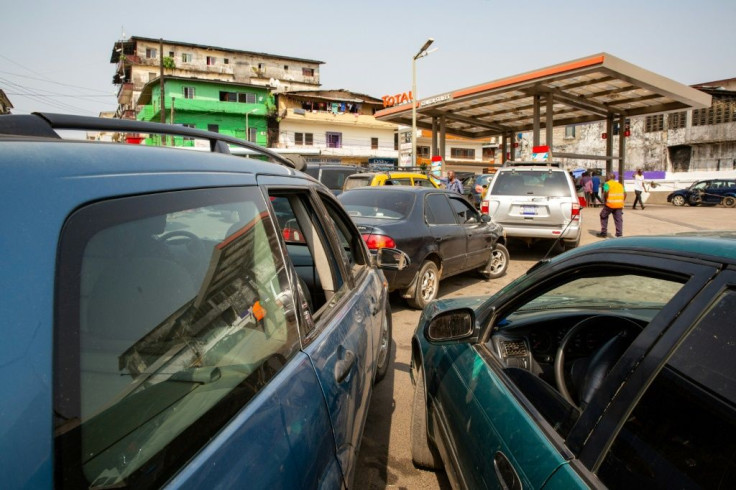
(335, 126)
(235, 109)
(461, 154)
(699, 140)
(5, 104)
(139, 60)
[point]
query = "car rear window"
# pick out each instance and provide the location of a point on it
(357, 181)
(382, 205)
(535, 183)
(335, 178)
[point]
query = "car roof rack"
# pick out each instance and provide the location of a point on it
(514, 163)
(44, 125)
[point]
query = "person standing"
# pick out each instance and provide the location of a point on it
(452, 183)
(596, 188)
(638, 188)
(613, 204)
(588, 189)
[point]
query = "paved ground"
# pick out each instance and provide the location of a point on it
(385, 456)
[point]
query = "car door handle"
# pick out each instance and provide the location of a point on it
(505, 472)
(344, 365)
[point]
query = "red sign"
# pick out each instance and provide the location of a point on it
(392, 100)
(604, 136)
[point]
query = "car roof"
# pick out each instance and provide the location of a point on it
(413, 189)
(712, 245)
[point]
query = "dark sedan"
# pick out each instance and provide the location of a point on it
(611, 365)
(440, 231)
(707, 193)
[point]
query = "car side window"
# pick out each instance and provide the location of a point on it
(316, 262)
(464, 212)
(423, 183)
(438, 211)
(682, 433)
(351, 244)
(175, 312)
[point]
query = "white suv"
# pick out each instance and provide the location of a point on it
(535, 201)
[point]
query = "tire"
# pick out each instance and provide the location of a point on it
(423, 452)
(678, 200)
(427, 285)
(729, 201)
(569, 245)
(384, 353)
(497, 264)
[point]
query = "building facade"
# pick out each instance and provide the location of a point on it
(140, 60)
(699, 140)
(335, 126)
(235, 109)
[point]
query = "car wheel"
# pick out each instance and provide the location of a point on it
(497, 264)
(428, 283)
(678, 200)
(729, 201)
(570, 244)
(423, 452)
(384, 348)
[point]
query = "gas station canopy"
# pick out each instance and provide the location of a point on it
(599, 87)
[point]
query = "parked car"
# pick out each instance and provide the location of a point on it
(706, 193)
(533, 202)
(162, 326)
(610, 365)
(364, 179)
(475, 187)
(333, 175)
(439, 230)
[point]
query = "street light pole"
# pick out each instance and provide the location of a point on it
(422, 52)
(247, 133)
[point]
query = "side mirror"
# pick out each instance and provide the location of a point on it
(392, 259)
(451, 325)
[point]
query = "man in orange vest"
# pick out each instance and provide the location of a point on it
(613, 204)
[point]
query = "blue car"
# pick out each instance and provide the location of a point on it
(706, 193)
(608, 366)
(164, 325)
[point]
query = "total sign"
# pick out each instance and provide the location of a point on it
(392, 100)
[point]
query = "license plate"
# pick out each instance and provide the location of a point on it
(529, 210)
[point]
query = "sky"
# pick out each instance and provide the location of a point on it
(55, 56)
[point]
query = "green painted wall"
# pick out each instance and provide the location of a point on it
(206, 109)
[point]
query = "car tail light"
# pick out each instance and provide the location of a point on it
(375, 242)
(292, 235)
(484, 207)
(575, 212)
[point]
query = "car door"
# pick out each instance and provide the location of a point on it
(501, 426)
(177, 349)
(449, 237)
(343, 321)
(478, 234)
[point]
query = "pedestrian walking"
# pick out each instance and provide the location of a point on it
(613, 204)
(588, 189)
(639, 187)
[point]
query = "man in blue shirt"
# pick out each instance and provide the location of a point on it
(452, 183)
(596, 189)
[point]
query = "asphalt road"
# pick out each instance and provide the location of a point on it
(385, 454)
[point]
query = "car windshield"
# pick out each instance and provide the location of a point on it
(358, 181)
(535, 182)
(382, 205)
(626, 291)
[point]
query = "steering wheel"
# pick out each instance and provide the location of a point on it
(602, 359)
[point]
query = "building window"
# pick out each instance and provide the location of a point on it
(247, 98)
(261, 66)
(188, 138)
(721, 111)
(677, 120)
(374, 143)
(334, 140)
(188, 92)
(308, 72)
(151, 53)
(226, 61)
(251, 134)
(186, 57)
(228, 97)
(304, 139)
(211, 60)
(152, 75)
(215, 128)
(423, 151)
(654, 123)
(569, 132)
(171, 54)
(396, 141)
(467, 153)
(286, 67)
(298, 138)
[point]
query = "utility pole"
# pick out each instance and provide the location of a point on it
(161, 77)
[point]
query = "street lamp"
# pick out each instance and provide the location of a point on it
(421, 54)
(247, 133)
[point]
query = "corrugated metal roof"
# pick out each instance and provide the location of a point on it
(582, 90)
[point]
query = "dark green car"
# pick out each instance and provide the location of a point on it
(613, 365)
